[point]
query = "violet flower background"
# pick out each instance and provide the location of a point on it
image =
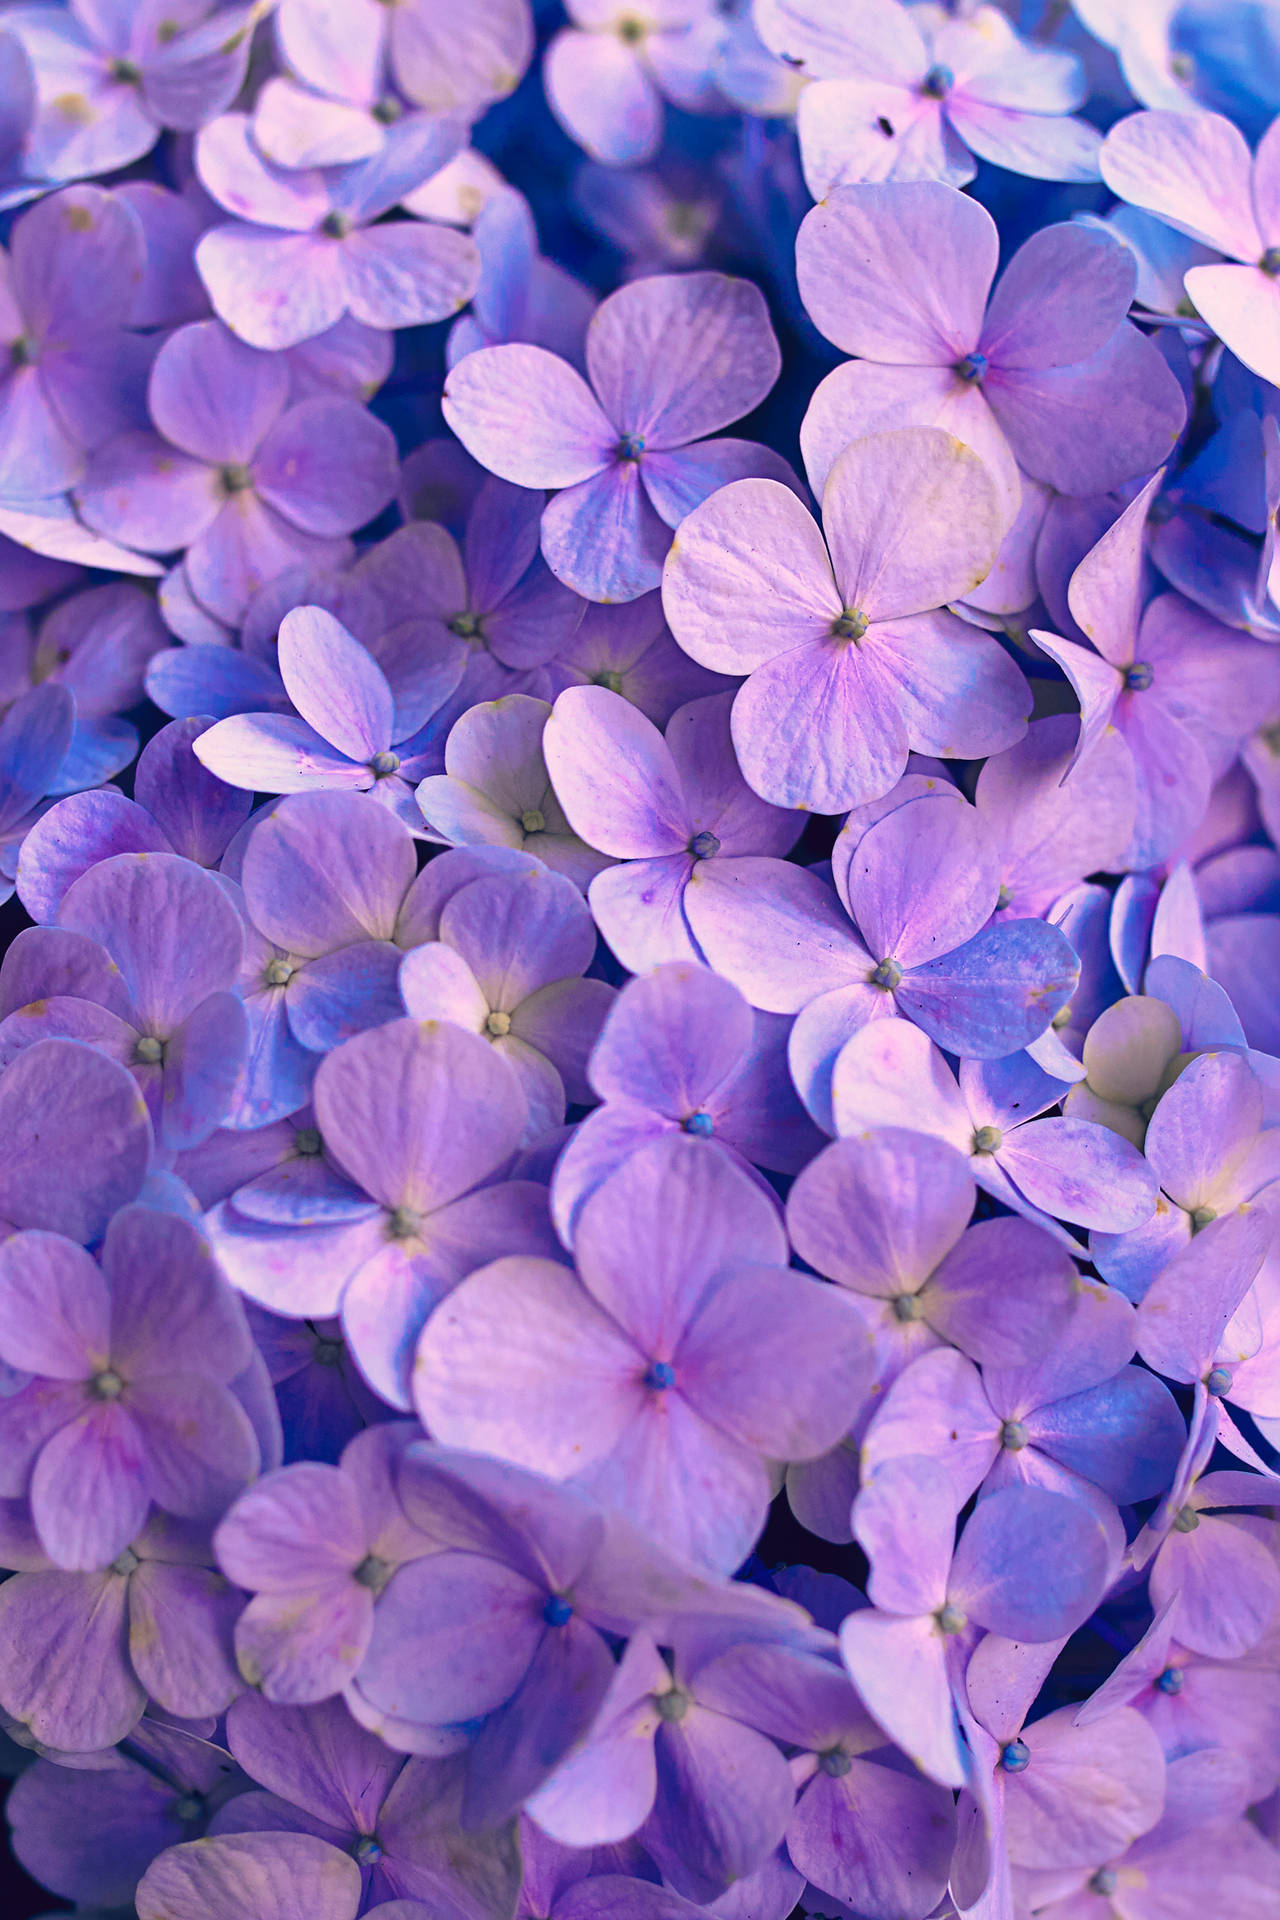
(640, 959)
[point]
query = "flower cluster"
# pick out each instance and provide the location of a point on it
(640, 993)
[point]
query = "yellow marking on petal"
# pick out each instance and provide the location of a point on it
(79, 219)
(73, 106)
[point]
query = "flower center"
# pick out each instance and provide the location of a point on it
(987, 1140)
(1170, 1681)
(1218, 1381)
(630, 446)
(558, 1611)
(328, 1353)
(127, 72)
(703, 846)
(850, 625)
(888, 975)
(836, 1763)
(1202, 1218)
(937, 83)
(403, 1223)
(277, 973)
(532, 820)
(907, 1307)
(1014, 1436)
(1186, 1521)
(335, 225)
(307, 1142)
(972, 369)
(1003, 898)
(1104, 1881)
(465, 625)
(1015, 1757)
(366, 1851)
(189, 1808)
(236, 478)
(951, 1619)
(106, 1385)
(384, 764)
(23, 352)
(608, 677)
(148, 1052)
(372, 1572)
(630, 30)
(125, 1563)
(660, 1376)
(498, 1024)
(1270, 261)
(387, 111)
(700, 1124)
(1138, 677)
(672, 1705)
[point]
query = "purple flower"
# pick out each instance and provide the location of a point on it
(316, 1546)
(1047, 376)
(351, 730)
(520, 296)
(141, 964)
(674, 1747)
(889, 1074)
(1055, 818)
(1181, 689)
(396, 1817)
(1057, 1793)
(74, 376)
(496, 1641)
(1029, 1564)
(91, 1833)
(439, 58)
(129, 1404)
(628, 648)
(508, 965)
(420, 1119)
(1214, 1576)
(495, 790)
(659, 807)
(670, 359)
(897, 94)
(908, 934)
(323, 1402)
(494, 592)
(1194, 171)
(850, 662)
(130, 77)
(246, 482)
(152, 1626)
(607, 72)
(308, 246)
(75, 1140)
(695, 1356)
(177, 808)
(682, 1053)
(1000, 1291)
(1074, 1419)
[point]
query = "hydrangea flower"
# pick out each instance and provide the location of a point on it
(439, 59)
(247, 483)
(508, 964)
(851, 661)
(912, 93)
(670, 360)
(415, 1205)
(128, 1406)
(307, 245)
(133, 71)
(681, 1052)
(677, 1403)
(164, 1007)
(1195, 171)
(35, 738)
(495, 790)
(658, 806)
(74, 375)
(1056, 383)
(607, 72)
